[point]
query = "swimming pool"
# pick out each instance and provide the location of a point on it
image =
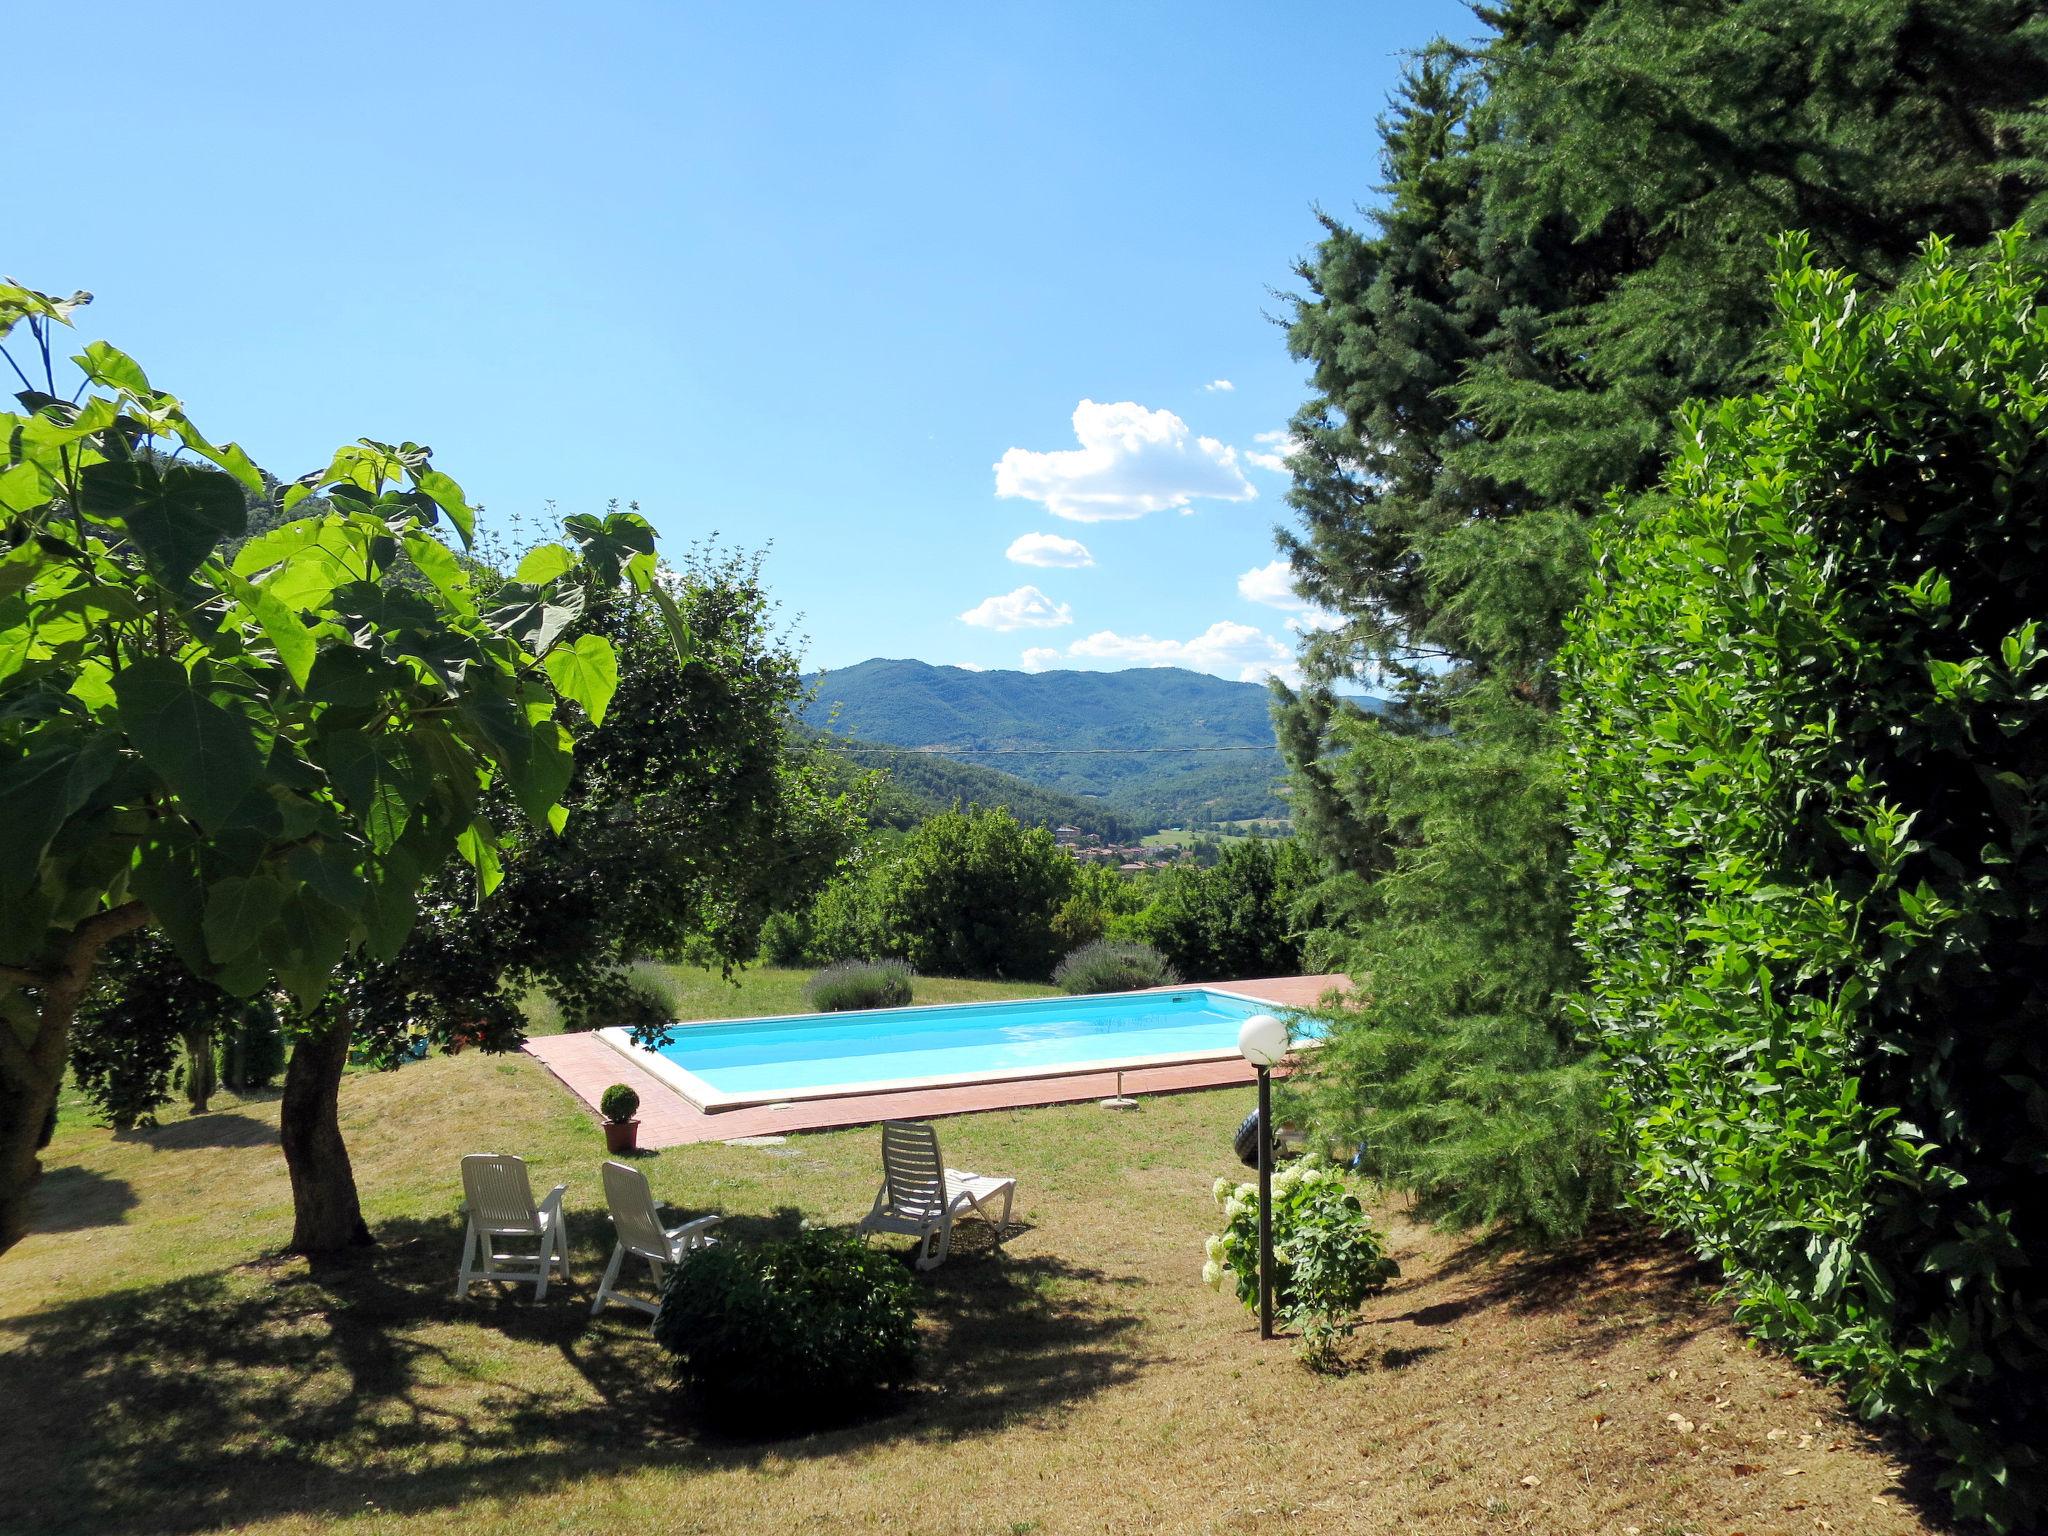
(730, 1063)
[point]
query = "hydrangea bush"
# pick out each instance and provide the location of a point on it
(1327, 1256)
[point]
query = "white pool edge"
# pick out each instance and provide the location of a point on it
(702, 1096)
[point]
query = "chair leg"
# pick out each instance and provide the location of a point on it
(611, 1275)
(467, 1276)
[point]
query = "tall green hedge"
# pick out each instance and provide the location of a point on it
(1810, 783)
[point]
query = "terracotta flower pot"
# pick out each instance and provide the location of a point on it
(621, 1135)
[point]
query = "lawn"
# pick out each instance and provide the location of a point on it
(161, 1370)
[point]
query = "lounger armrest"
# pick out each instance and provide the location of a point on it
(553, 1204)
(698, 1224)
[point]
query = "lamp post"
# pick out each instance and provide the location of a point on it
(1262, 1041)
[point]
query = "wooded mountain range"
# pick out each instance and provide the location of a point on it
(1118, 740)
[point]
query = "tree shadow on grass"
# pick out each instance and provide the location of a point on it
(1617, 1284)
(72, 1199)
(215, 1128)
(363, 1383)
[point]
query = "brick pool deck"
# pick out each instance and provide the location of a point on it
(586, 1066)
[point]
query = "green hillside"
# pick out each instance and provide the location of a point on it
(1055, 728)
(921, 783)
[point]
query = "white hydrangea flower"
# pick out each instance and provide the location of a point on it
(1213, 1248)
(1220, 1190)
(1212, 1275)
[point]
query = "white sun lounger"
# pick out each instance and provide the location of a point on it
(642, 1235)
(501, 1206)
(920, 1196)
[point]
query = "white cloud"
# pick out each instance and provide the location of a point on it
(1223, 648)
(1272, 585)
(1280, 447)
(1048, 549)
(1223, 385)
(1025, 608)
(1131, 461)
(970, 666)
(1041, 658)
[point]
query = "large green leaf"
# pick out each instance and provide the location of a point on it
(176, 516)
(376, 778)
(166, 880)
(38, 794)
(543, 564)
(293, 642)
(238, 910)
(437, 562)
(206, 755)
(394, 892)
(448, 496)
(109, 365)
(586, 672)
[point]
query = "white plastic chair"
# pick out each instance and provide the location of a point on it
(641, 1233)
(501, 1206)
(920, 1196)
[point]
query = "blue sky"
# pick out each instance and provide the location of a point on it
(801, 275)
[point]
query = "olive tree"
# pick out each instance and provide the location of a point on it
(262, 747)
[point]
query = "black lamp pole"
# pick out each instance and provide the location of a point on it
(1265, 1203)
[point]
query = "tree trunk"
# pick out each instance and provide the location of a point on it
(200, 1079)
(32, 1070)
(326, 1215)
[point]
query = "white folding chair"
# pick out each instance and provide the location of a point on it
(920, 1196)
(501, 1207)
(642, 1234)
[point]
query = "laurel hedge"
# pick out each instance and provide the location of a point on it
(1810, 787)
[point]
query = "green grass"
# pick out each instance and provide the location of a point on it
(768, 989)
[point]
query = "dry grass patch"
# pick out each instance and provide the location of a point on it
(161, 1374)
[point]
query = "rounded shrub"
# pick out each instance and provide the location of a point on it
(1110, 966)
(618, 1104)
(786, 1335)
(860, 984)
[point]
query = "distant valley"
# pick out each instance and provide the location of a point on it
(1052, 730)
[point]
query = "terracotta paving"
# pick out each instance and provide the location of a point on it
(586, 1066)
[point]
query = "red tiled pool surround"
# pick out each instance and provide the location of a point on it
(586, 1066)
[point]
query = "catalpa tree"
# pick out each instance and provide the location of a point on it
(263, 746)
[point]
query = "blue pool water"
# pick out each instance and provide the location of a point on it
(966, 1041)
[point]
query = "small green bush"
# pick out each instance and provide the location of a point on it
(1327, 1257)
(1107, 966)
(860, 984)
(786, 938)
(786, 1335)
(619, 1104)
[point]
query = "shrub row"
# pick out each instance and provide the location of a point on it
(1810, 780)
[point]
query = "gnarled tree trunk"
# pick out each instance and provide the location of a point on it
(326, 1215)
(32, 1068)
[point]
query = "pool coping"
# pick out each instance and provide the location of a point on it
(704, 1098)
(585, 1066)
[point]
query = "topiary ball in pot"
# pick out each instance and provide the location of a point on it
(787, 1336)
(619, 1104)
